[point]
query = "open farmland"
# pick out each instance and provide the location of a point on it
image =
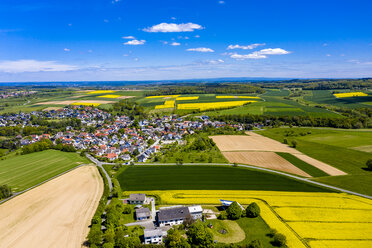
(25, 171)
(171, 177)
(345, 150)
(247, 150)
(269, 160)
(307, 219)
(55, 214)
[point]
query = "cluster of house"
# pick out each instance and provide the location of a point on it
(164, 217)
(112, 137)
(8, 94)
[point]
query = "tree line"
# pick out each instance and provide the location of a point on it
(305, 121)
(5, 191)
(46, 144)
(212, 88)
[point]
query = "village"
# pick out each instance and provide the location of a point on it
(110, 138)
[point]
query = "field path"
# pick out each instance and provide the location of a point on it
(55, 214)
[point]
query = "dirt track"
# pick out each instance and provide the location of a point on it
(55, 214)
(248, 148)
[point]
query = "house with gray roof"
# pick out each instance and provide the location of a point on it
(136, 198)
(176, 215)
(153, 236)
(143, 214)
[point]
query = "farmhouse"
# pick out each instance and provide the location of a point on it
(176, 215)
(153, 236)
(136, 198)
(196, 212)
(143, 214)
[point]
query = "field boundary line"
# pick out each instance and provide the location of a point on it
(24, 191)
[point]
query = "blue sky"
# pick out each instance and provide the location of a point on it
(48, 40)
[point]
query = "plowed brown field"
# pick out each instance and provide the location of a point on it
(55, 214)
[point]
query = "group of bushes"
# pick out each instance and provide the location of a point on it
(5, 191)
(234, 211)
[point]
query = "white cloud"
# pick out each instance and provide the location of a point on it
(165, 42)
(173, 28)
(214, 61)
(175, 44)
(18, 66)
(249, 47)
(106, 21)
(254, 55)
(221, 2)
(173, 18)
(66, 49)
(325, 44)
(259, 54)
(201, 49)
(273, 51)
(135, 42)
(130, 37)
(328, 55)
(197, 36)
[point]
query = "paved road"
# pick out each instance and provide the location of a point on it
(99, 164)
(23, 191)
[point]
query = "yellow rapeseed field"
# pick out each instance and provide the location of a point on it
(340, 244)
(169, 96)
(184, 98)
(350, 94)
(86, 104)
(211, 105)
(109, 96)
(101, 91)
(167, 104)
(223, 97)
(326, 219)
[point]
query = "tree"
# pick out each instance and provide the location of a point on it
(199, 235)
(369, 164)
(174, 239)
(285, 141)
(109, 235)
(222, 216)
(95, 235)
(255, 244)
(234, 211)
(108, 245)
(5, 191)
(279, 240)
(253, 210)
(294, 143)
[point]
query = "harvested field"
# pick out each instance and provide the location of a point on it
(250, 142)
(269, 160)
(125, 97)
(68, 102)
(52, 108)
(253, 142)
(320, 165)
(55, 214)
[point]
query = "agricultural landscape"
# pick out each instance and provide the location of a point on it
(293, 163)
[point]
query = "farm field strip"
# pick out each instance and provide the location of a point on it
(268, 160)
(27, 170)
(101, 91)
(212, 105)
(55, 214)
(350, 94)
(345, 215)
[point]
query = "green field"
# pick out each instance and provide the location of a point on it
(167, 177)
(25, 171)
(326, 97)
(347, 150)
